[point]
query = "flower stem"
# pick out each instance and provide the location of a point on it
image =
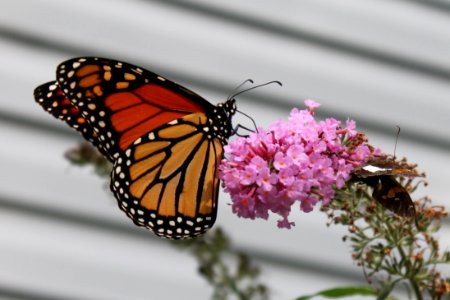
(416, 289)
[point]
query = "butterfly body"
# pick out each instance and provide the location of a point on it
(165, 141)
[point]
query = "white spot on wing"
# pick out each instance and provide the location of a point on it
(373, 169)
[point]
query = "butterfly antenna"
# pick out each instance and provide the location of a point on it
(238, 87)
(257, 86)
(396, 140)
(249, 89)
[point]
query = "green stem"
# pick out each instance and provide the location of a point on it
(409, 267)
(416, 289)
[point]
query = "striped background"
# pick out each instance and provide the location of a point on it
(383, 63)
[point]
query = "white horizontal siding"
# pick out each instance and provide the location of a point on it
(386, 65)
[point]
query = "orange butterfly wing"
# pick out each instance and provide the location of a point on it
(123, 102)
(166, 142)
(51, 98)
(167, 180)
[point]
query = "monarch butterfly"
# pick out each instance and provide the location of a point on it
(165, 141)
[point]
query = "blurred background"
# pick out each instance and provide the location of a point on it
(382, 63)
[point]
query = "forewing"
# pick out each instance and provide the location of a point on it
(123, 102)
(392, 195)
(51, 98)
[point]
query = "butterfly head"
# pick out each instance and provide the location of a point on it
(221, 119)
(229, 107)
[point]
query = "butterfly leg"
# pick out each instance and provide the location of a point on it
(239, 126)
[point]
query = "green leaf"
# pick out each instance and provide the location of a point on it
(343, 292)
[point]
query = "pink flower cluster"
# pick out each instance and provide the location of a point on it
(300, 160)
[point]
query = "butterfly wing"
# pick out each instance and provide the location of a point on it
(392, 195)
(166, 142)
(121, 101)
(167, 180)
(51, 98)
(379, 174)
